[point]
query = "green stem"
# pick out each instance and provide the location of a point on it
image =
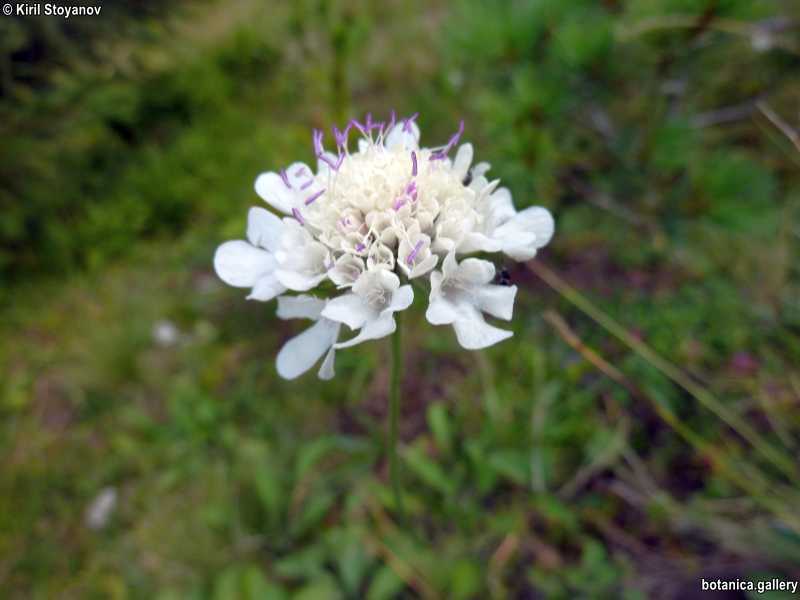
(394, 415)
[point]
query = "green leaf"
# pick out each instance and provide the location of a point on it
(512, 464)
(439, 422)
(386, 584)
(428, 471)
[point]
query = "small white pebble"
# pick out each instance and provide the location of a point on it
(99, 511)
(165, 333)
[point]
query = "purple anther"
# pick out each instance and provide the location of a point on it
(333, 165)
(307, 184)
(298, 216)
(318, 149)
(411, 190)
(398, 204)
(358, 126)
(314, 196)
(407, 122)
(341, 136)
(413, 254)
(456, 136)
(285, 178)
(392, 121)
(413, 164)
(299, 171)
(360, 247)
(442, 154)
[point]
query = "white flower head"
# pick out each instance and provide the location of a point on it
(365, 221)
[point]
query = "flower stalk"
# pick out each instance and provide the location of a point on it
(394, 416)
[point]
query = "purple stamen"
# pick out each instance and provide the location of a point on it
(398, 204)
(285, 178)
(358, 126)
(411, 190)
(407, 122)
(318, 135)
(360, 247)
(333, 165)
(299, 171)
(413, 254)
(307, 184)
(298, 216)
(392, 121)
(341, 136)
(441, 154)
(413, 164)
(314, 196)
(370, 124)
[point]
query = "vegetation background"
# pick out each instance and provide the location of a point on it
(640, 431)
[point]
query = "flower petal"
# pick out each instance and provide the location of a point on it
(372, 330)
(462, 161)
(326, 370)
(401, 299)
(300, 353)
(297, 281)
(441, 312)
(300, 307)
(496, 300)
(263, 228)
(528, 231)
(476, 271)
(348, 309)
(239, 264)
(539, 221)
(398, 138)
(298, 174)
(266, 288)
(474, 333)
(274, 192)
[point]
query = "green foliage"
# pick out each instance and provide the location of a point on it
(530, 469)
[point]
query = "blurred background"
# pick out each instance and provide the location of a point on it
(639, 432)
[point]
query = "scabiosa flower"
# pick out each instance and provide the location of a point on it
(367, 220)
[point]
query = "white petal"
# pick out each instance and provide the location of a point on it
(441, 312)
(449, 265)
(326, 370)
(241, 265)
(481, 169)
(297, 281)
(397, 138)
(298, 174)
(528, 231)
(478, 242)
(474, 333)
(348, 309)
(300, 353)
(299, 307)
(496, 300)
(266, 288)
(401, 299)
(424, 266)
(462, 161)
(263, 228)
(476, 271)
(274, 192)
(500, 208)
(539, 221)
(372, 330)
